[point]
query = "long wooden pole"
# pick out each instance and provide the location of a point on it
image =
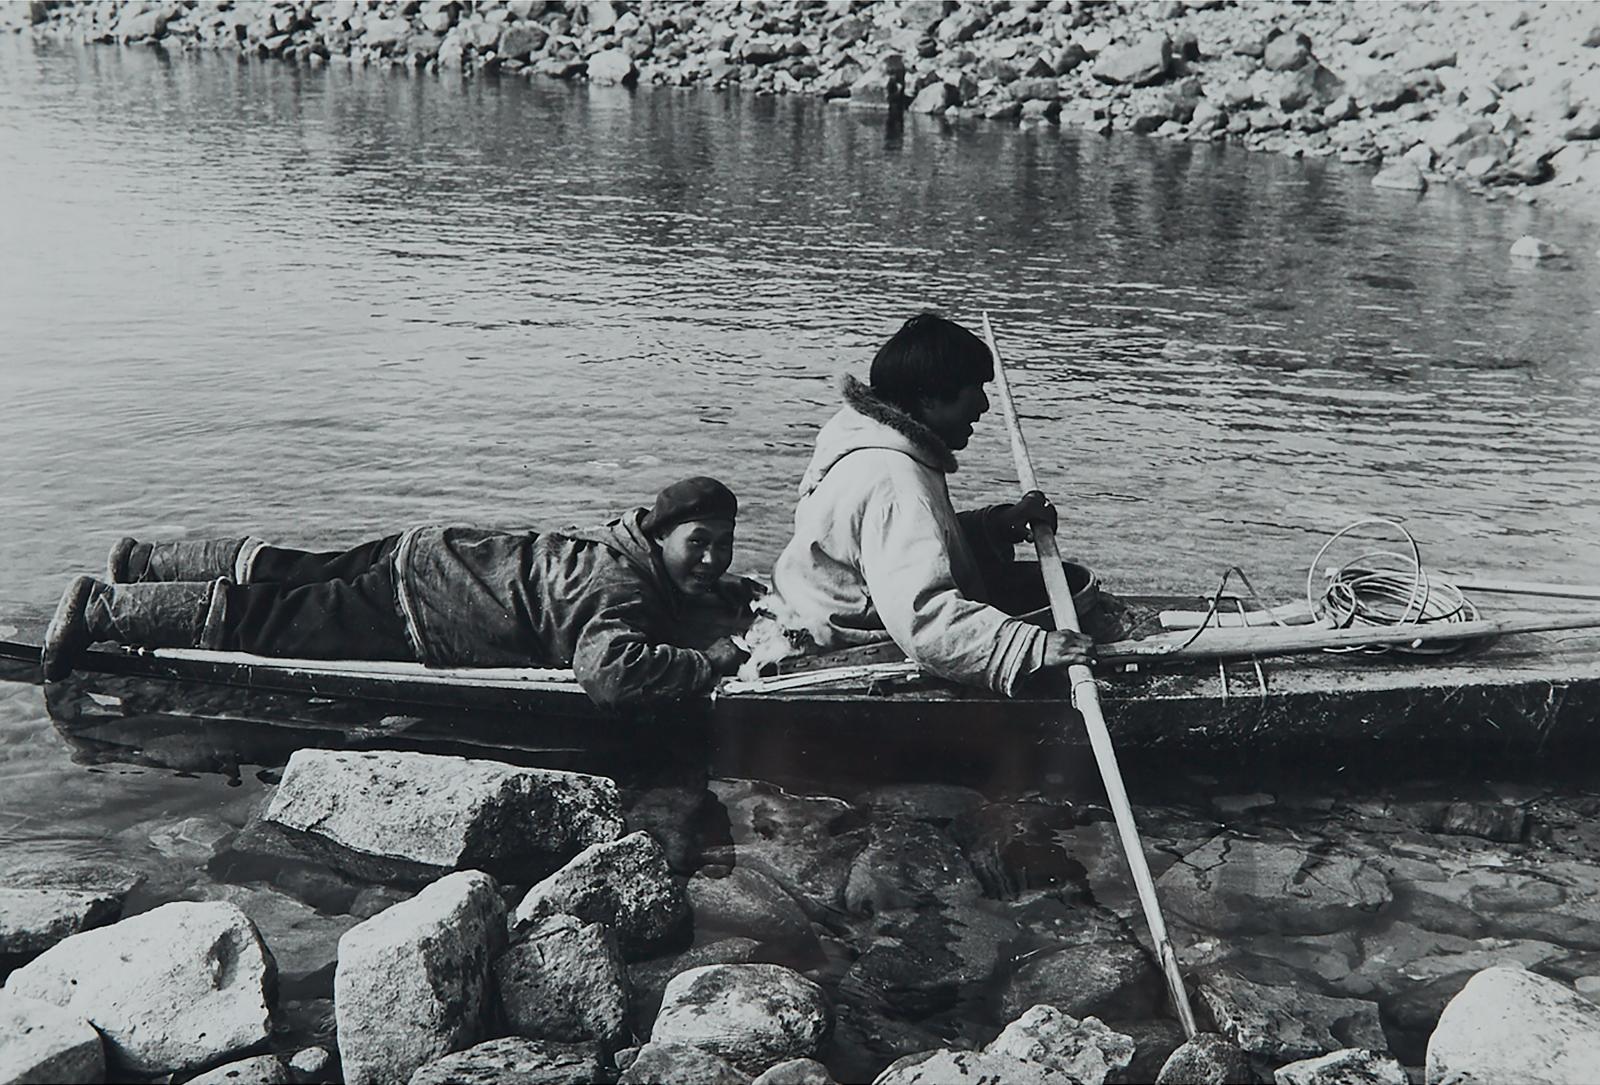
(1086, 699)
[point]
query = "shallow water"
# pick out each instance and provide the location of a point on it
(245, 297)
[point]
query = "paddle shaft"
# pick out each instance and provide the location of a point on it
(1086, 699)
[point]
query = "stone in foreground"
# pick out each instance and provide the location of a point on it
(1282, 1024)
(40, 1042)
(173, 989)
(1236, 886)
(796, 1072)
(658, 1062)
(1508, 1024)
(413, 817)
(624, 884)
(1352, 1066)
(261, 1070)
(1208, 1059)
(413, 981)
(753, 1015)
(1087, 1050)
(565, 981)
(515, 1061)
(949, 1067)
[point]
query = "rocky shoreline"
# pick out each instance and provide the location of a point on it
(1501, 97)
(393, 916)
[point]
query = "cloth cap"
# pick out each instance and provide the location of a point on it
(698, 498)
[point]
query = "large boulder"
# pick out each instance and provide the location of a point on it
(648, 979)
(796, 1072)
(41, 1042)
(1282, 1024)
(518, 41)
(1208, 1059)
(624, 884)
(946, 1066)
(1149, 60)
(40, 906)
(1229, 885)
(564, 980)
(1285, 52)
(1351, 1066)
(612, 66)
(1508, 1024)
(1086, 1050)
(658, 1062)
(753, 1015)
(172, 989)
(413, 982)
(400, 816)
(515, 1061)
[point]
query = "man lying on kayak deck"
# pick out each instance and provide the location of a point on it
(637, 607)
(878, 548)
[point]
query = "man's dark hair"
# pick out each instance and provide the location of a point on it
(929, 356)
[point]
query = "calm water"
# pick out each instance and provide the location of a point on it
(245, 297)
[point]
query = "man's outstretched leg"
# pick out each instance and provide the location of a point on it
(246, 560)
(180, 615)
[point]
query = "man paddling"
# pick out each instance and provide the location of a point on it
(638, 607)
(878, 548)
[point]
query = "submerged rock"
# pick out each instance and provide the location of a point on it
(1352, 1066)
(921, 961)
(1103, 979)
(905, 864)
(624, 884)
(1231, 885)
(1508, 1024)
(1208, 1059)
(749, 904)
(1085, 1050)
(564, 980)
(753, 1015)
(413, 982)
(1281, 1024)
(1528, 247)
(413, 817)
(514, 1060)
(172, 989)
(41, 1042)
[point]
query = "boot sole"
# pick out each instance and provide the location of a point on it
(68, 634)
(117, 560)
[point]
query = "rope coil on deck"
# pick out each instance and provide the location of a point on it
(1385, 588)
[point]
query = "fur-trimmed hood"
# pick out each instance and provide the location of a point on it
(866, 421)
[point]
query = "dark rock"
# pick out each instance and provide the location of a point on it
(519, 41)
(565, 981)
(748, 903)
(1155, 1039)
(1384, 91)
(920, 961)
(1232, 885)
(1114, 980)
(1013, 847)
(906, 864)
(1067, 58)
(514, 1060)
(1492, 821)
(675, 816)
(1282, 1024)
(1039, 89)
(1208, 1059)
(864, 1041)
(624, 884)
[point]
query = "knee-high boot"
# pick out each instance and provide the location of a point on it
(176, 615)
(134, 562)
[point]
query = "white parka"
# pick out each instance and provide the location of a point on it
(878, 548)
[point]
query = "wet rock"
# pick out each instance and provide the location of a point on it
(624, 884)
(1402, 175)
(878, 89)
(1230, 885)
(260, 1070)
(414, 983)
(1285, 52)
(1352, 1066)
(796, 1072)
(1155, 1039)
(1013, 847)
(303, 940)
(803, 843)
(1508, 1024)
(1102, 979)
(45, 1043)
(1087, 1051)
(39, 906)
(1426, 985)
(949, 1067)
(663, 1062)
(935, 98)
(519, 41)
(1208, 1059)
(907, 863)
(748, 903)
(920, 961)
(171, 989)
(1528, 247)
(398, 816)
(1140, 64)
(142, 24)
(648, 979)
(515, 1060)
(612, 66)
(865, 1040)
(673, 816)
(1282, 1024)
(311, 1064)
(564, 980)
(753, 1015)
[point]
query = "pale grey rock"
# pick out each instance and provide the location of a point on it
(1086, 1050)
(1144, 62)
(41, 905)
(41, 1043)
(612, 66)
(390, 815)
(748, 903)
(950, 1067)
(1286, 51)
(795, 1072)
(657, 1063)
(178, 987)
(1352, 1066)
(1508, 1024)
(1208, 1059)
(1231, 885)
(753, 1015)
(648, 979)
(515, 1060)
(935, 98)
(1402, 175)
(413, 982)
(564, 980)
(1282, 1024)
(259, 1070)
(1528, 247)
(385, 33)
(311, 1064)
(624, 884)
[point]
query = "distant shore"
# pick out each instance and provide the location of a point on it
(1501, 97)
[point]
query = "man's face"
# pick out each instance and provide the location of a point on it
(952, 419)
(697, 553)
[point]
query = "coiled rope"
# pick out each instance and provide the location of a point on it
(1385, 588)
